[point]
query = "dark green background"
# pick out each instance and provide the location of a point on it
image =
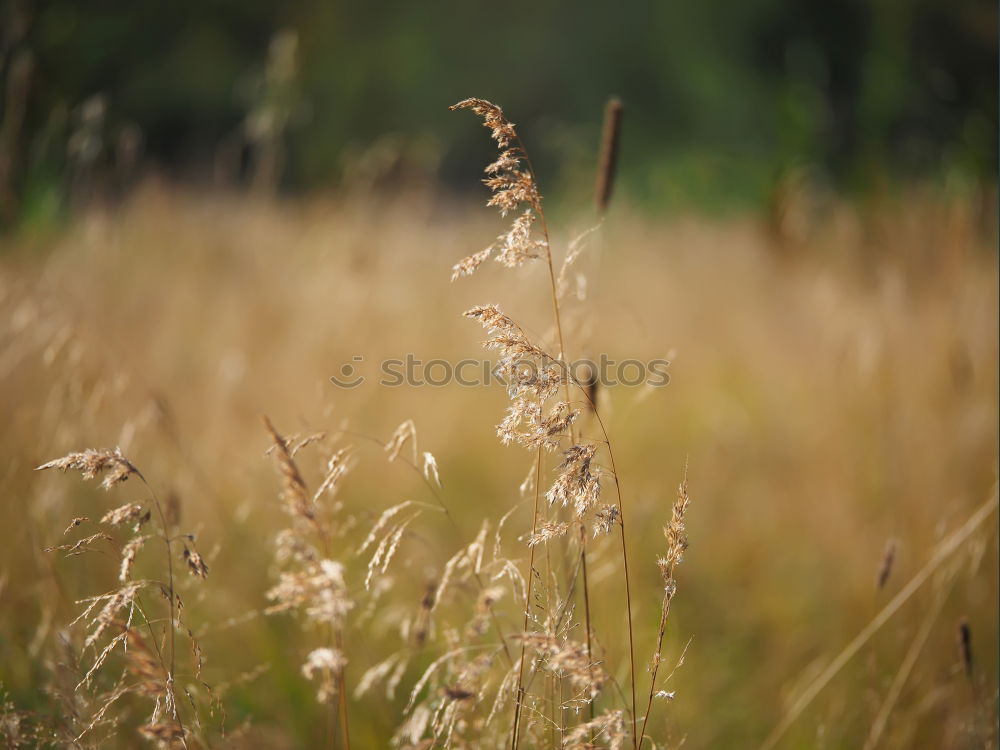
(722, 98)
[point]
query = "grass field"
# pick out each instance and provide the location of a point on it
(832, 387)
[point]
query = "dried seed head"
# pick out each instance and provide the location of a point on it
(605, 519)
(676, 534)
(318, 590)
(82, 545)
(608, 729)
(164, 734)
(885, 569)
(547, 532)
(568, 660)
(336, 467)
(526, 425)
(129, 552)
(518, 245)
(965, 645)
(513, 187)
(576, 486)
(386, 549)
(115, 602)
(493, 118)
(74, 523)
(293, 492)
(431, 469)
(122, 514)
(90, 463)
(488, 597)
(326, 663)
(196, 565)
(468, 265)
(406, 431)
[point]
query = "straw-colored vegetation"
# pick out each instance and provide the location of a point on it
(370, 567)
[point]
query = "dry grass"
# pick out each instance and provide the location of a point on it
(827, 403)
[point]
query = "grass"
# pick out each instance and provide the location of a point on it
(829, 391)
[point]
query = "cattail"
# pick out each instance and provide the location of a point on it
(888, 558)
(965, 645)
(608, 164)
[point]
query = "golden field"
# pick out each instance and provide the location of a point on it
(833, 387)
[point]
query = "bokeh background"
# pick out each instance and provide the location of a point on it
(724, 103)
(207, 208)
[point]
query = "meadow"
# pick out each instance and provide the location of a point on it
(832, 404)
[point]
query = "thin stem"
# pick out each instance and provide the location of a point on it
(519, 694)
(554, 287)
(170, 590)
(586, 611)
(552, 595)
(664, 613)
(345, 730)
(628, 586)
(628, 604)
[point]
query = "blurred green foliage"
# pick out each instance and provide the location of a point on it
(722, 99)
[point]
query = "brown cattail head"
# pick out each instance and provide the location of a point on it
(965, 645)
(606, 167)
(885, 569)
